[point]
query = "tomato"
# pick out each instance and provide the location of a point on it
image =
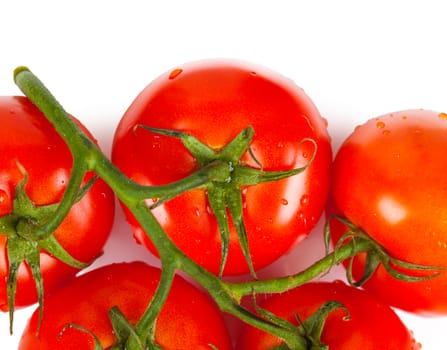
(189, 319)
(389, 180)
(213, 100)
(29, 141)
(370, 325)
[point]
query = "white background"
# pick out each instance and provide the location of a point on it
(355, 59)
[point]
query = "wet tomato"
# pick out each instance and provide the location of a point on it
(389, 180)
(213, 100)
(188, 320)
(35, 166)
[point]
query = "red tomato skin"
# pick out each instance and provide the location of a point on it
(28, 138)
(389, 180)
(371, 325)
(188, 320)
(214, 100)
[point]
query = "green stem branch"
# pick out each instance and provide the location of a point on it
(88, 157)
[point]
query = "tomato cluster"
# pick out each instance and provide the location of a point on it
(259, 156)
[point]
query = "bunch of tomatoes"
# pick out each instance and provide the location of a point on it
(253, 160)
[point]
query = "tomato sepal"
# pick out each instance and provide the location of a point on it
(122, 329)
(309, 330)
(125, 332)
(225, 191)
(376, 256)
(24, 243)
(97, 343)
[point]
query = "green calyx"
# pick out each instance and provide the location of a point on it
(24, 244)
(376, 256)
(308, 332)
(124, 332)
(225, 190)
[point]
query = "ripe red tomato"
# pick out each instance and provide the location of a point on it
(371, 324)
(189, 319)
(28, 139)
(389, 179)
(214, 100)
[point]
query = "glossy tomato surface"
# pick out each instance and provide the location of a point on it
(371, 325)
(29, 140)
(188, 320)
(214, 100)
(389, 179)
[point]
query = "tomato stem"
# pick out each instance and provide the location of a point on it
(87, 157)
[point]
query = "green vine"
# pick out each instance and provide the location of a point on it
(217, 168)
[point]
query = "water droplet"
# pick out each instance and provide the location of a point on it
(3, 196)
(197, 212)
(5, 203)
(385, 132)
(380, 124)
(284, 201)
(304, 200)
(175, 73)
(442, 115)
(302, 218)
(209, 210)
(305, 155)
(442, 244)
(280, 145)
(404, 117)
(253, 73)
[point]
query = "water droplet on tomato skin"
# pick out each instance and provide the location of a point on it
(380, 124)
(5, 203)
(385, 132)
(284, 201)
(442, 116)
(3, 196)
(175, 73)
(302, 217)
(417, 131)
(304, 200)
